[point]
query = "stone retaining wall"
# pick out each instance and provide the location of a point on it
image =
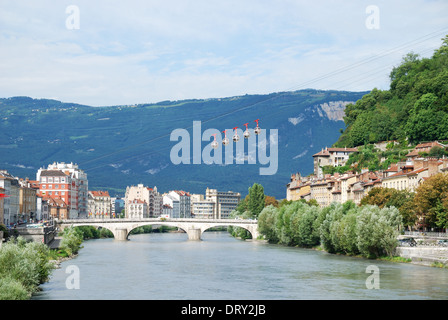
(424, 255)
(43, 235)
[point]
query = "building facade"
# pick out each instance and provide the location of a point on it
(335, 157)
(203, 209)
(137, 209)
(11, 207)
(151, 196)
(184, 200)
(225, 202)
(67, 182)
(173, 203)
(99, 204)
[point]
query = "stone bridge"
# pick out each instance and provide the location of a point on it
(193, 227)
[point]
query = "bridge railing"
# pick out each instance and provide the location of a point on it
(159, 220)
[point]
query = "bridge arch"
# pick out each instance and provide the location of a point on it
(247, 228)
(94, 225)
(193, 227)
(156, 224)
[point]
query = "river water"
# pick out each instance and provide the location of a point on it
(167, 266)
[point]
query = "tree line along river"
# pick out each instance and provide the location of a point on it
(167, 266)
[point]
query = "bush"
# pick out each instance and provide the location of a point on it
(11, 289)
(24, 263)
(71, 240)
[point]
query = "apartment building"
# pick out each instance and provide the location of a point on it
(335, 157)
(56, 184)
(65, 181)
(411, 175)
(184, 200)
(11, 198)
(99, 204)
(298, 188)
(27, 203)
(225, 202)
(137, 209)
(203, 209)
(167, 211)
(151, 196)
(173, 203)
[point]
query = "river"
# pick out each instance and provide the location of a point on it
(167, 266)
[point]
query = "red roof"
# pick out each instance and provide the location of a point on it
(182, 193)
(393, 168)
(100, 193)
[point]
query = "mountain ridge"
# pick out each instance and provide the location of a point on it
(124, 145)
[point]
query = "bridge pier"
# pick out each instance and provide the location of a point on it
(194, 234)
(121, 234)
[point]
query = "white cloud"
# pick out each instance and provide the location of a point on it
(148, 51)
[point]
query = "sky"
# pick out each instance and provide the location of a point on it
(104, 53)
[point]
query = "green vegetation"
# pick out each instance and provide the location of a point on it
(249, 208)
(90, 232)
(23, 267)
(414, 109)
(368, 231)
(149, 229)
(431, 202)
(71, 240)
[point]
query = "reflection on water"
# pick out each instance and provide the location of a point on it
(168, 266)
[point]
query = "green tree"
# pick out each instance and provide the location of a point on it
(267, 221)
(431, 201)
(437, 152)
(256, 201)
(71, 240)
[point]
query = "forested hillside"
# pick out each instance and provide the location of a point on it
(123, 145)
(414, 108)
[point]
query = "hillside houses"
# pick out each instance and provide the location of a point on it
(326, 188)
(336, 157)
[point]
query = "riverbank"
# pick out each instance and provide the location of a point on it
(432, 256)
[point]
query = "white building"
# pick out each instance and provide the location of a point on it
(203, 209)
(99, 204)
(152, 198)
(174, 203)
(184, 202)
(224, 202)
(137, 209)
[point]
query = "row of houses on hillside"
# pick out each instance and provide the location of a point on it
(326, 188)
